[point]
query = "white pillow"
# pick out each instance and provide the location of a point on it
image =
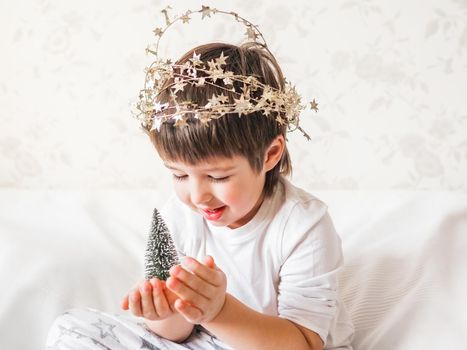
(405, 275)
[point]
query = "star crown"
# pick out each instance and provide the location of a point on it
(161, 99)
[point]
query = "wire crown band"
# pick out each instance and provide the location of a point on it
(244, 94)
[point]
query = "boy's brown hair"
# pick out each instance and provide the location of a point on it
(231, 135)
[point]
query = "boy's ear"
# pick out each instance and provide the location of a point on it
(274, 152)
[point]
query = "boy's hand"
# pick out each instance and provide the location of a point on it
(150, 299)
(201, 292)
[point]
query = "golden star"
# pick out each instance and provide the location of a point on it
(280, 120)
(179, 85)
(185, 18)
(159, 107)
(180, 121)
(314, 105)
(214, 101)
(222, 98)
(221, 59)
(212, 65)
(158, 31)
(227, 81)
(206, 11)
(165, 12)
(156, 124)
(196, 59)
(267, 93)
(267, 111)
(149, 50)
(251, 34)
(200, 82)
(242, 106)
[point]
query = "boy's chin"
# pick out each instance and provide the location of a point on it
(222, 223)
(218, 223)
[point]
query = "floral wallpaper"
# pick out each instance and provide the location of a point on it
(390, 78)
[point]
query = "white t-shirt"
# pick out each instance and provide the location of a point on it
(283, 262)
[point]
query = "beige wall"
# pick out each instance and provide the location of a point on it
(390, 78)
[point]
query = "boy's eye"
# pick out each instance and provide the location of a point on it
(219, 179)
(179, 177)
(213, 179)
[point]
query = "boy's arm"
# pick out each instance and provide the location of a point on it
(233, 322)
(243, 328)
(168, 324)
(174, 328)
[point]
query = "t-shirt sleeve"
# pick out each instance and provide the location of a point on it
(311, 258)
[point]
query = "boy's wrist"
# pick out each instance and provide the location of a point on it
(220, 315)
(174, 327)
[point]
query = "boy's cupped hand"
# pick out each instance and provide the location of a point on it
(200, 289)
(196, 291)
(150, 299)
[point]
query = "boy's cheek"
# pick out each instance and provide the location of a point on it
(182, 195)
(238, 201)
(231, 196)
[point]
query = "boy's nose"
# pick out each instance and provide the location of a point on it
(200, 195)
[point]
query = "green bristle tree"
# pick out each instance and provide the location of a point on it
(161, 253)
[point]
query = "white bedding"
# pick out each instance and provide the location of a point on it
(404, 281)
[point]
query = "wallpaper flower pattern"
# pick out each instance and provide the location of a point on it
(390, 79)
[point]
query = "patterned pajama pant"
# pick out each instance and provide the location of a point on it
(79, 329)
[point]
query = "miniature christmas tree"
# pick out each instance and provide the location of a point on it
(161, 253)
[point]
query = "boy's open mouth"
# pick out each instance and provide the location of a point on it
(213, 214)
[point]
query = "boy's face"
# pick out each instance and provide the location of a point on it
(226, 191)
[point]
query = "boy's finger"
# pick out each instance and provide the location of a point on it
(135, 303)
(170, 296)
(147, 302)
(160, 301)
(186, 293)
(209, 261)
(190, 313)
(205, 288)
(207, 273)
(124, 304)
